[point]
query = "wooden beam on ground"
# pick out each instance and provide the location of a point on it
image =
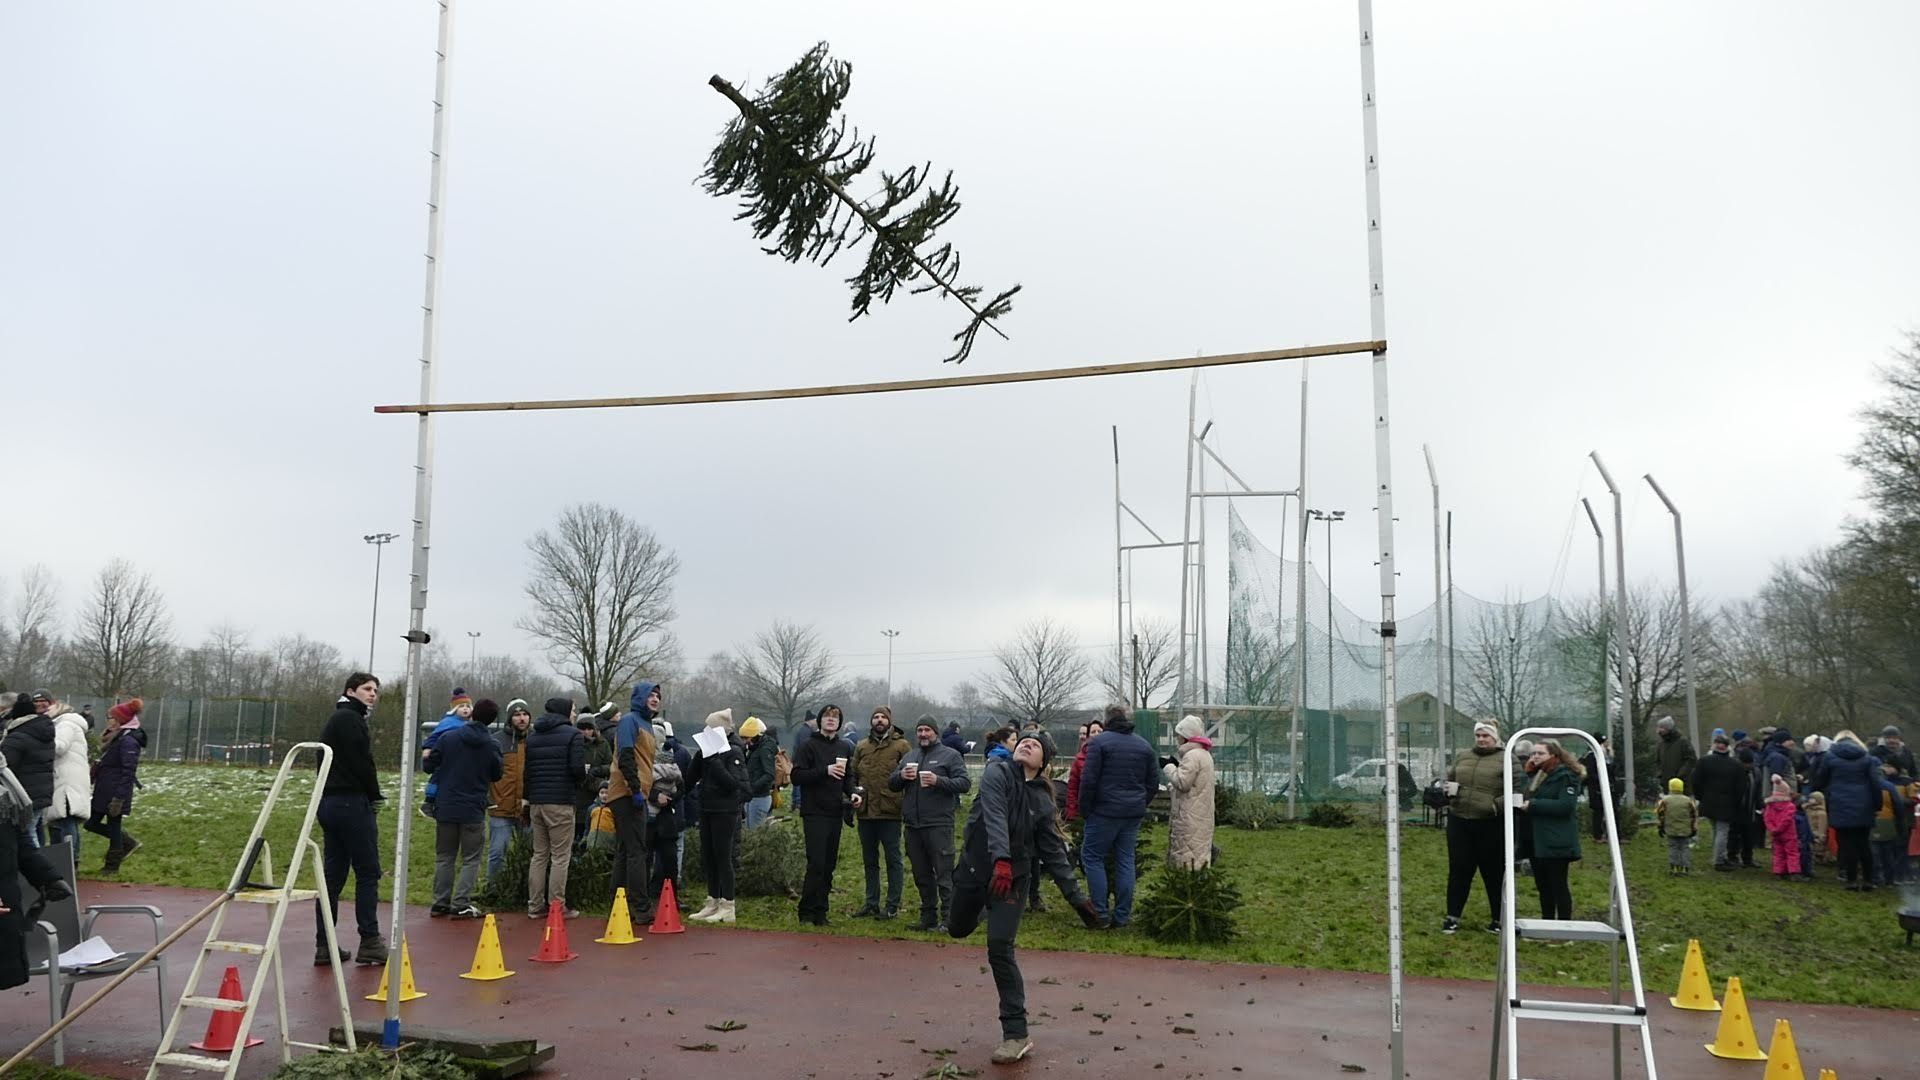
(942, 383)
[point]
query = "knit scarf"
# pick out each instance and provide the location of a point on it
(16, 808)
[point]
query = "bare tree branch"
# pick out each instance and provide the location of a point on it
(1038, 676)
(124, 634)
(602, 593)
(783, 669)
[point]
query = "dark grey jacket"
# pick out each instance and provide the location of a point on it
(934, 807)
(1013, 819)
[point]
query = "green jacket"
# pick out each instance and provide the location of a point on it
(1673, 757)
(874, 760)
(1477, 772)
(1552, 808)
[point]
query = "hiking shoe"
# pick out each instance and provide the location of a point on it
(437, 910)
(536, 914)
(890, 913)
(1011, 1050)
(321, 959)
(426, 809)
(373, 950)
(467, 912)
(1036, 907)
(871, 911)
(1493, 927)
(128, 845)
(923, 924)
(1450, 925)
(565, 913)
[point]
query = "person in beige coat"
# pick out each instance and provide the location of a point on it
(1190, 778)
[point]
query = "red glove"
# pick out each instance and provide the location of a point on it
(1002, 886)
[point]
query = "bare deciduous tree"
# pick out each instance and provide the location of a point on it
(124, 634)
(1506, 664)
(783, 670)
(1037, 676)
(30, 639)
(602, 593)
(1656, 684)
(1153, 666)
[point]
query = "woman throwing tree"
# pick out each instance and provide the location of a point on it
(1011, 823)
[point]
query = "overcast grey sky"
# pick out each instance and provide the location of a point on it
(1683, 234)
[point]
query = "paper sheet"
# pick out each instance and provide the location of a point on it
(711, 741)
(94, 950)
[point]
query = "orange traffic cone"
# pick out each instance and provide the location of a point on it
(224, 1025)
(666, 914)
(553, 944)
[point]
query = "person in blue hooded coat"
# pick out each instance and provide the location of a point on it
(629, 790)
(1852, 782)
(459, 708)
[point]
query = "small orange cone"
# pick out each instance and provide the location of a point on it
(1736, 1039)
(488, 964)
(666, 914)
(1783, 1060)
(1696, 990)
(619, 924)
(225, 1025)
(553, 944)
(408, 991)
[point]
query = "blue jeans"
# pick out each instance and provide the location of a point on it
(1116, 835)
(500, 832)
(758, 809)
(67, 828)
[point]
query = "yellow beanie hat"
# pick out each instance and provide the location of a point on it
(752, 727)
(1677, 786)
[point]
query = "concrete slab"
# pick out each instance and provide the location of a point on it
(820, 1006)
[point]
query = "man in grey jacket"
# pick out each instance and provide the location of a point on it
(934, 777)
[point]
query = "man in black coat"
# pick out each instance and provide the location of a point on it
(464, 762)
(555, 766)
(350, 834)
(823, 788)
(28, 748)
(1720, 786)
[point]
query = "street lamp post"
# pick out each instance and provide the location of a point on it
(1686, 611)
(890, 635)
(1329, 516)
(379, 541)
(473, 651)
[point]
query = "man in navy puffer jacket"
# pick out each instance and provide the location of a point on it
(1117, 783)
(1853, 782)
(464, 761)
(556, 762)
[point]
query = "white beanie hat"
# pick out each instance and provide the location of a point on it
(722, 719)
(1190, 727)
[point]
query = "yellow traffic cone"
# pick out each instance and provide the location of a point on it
(408, 991)
(1736, 1039)
(619, 924)
(1783, 1060)
(488, 964)
(1829, 1074)
(1696, 990)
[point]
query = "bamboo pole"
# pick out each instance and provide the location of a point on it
(896, 386)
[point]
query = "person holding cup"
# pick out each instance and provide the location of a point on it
(1475, 790)
(932, 777)
(823, 782)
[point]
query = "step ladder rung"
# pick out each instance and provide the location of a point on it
(248, 948)
(192, 1061)
(273, 896)
(1565, 930)
(1580, 1012)
(194, 1001)
(325, 1048)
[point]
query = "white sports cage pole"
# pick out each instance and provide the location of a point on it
(1182, 688)
(1383, 472)
(1622, 629)
(422, 523)
(1439, 623)
(1119, 586)
(1299, 775)
(1686, 613)
(1600, 555)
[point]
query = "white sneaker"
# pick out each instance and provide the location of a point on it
(725, 914)
(707, 910)
(1011, 1050)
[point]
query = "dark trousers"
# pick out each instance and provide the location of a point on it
(875, 837)
(823, 854)
(1473, 846)
(1556, 898)
(666, 859)
(1597, 811)
(350, 840)
(1856, 861)
(930, 850)
(102, 825)
(1740, 841)
(630, 869)
(970, 902)
(719, 839)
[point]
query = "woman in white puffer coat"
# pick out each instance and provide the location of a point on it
(72, 777)
(1190, 776)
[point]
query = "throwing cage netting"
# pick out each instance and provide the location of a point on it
(1525, 662)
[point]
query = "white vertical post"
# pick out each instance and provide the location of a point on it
(1600, 597)
(1180, 697)
(1383, 495)
(1119, 585)
(1200, 566)
(1439, 622)
(1686, 613)
(422, 516)
(1622, 630)
(1299, 618)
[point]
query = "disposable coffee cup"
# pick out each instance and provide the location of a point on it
(840, 761)
(912, 770)
(927, 778)
(1453, 787)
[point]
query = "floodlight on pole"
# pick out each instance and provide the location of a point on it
(1623, 630)
(473, 650)
(890, 635)
(379, 541)
(1686, 611)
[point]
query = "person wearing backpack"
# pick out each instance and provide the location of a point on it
(763, 767)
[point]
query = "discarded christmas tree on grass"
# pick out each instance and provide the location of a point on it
(791, 159)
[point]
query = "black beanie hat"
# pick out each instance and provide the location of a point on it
(560, 706)
(485, 711)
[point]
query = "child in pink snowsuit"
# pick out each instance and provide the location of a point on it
(1778, 818)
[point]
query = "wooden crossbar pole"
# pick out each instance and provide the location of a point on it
(943, 383)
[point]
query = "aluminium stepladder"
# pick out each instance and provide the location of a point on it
(1617, 932)
(280, 898)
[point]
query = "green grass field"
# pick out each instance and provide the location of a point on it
(1314, 898)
